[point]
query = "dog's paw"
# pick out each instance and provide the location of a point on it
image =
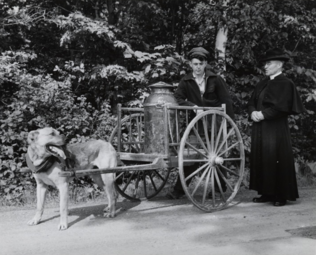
(108, 215)
(33, 221)
(62, 226)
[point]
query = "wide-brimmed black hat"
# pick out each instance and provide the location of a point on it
(198, 51)
(275, 54)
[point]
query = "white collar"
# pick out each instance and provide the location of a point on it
(275, 75)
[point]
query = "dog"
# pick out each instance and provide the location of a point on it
(48, 154)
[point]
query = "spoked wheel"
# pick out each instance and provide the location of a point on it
(136, 185)
(211, 160)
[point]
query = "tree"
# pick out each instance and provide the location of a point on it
(68, 63)
(254, 27)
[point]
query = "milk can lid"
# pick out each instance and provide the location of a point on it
(161, 84)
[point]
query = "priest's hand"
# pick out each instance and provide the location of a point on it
(257, 116)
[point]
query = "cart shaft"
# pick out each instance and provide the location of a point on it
(158, 163)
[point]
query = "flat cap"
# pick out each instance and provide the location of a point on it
(200, 51)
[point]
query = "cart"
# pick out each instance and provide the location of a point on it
(154, 140)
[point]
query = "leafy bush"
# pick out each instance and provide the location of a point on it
(41, 101)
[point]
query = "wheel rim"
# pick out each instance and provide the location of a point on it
(218, 157)
(136, 185)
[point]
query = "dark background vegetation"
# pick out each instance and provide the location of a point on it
(66, 64)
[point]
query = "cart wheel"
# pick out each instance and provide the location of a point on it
(213, 145)
(136, 185)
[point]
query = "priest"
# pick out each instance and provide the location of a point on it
(272, 171)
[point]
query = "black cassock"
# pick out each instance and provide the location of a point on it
(272, 170)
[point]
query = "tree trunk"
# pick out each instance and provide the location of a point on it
(220, 45)
(111, 12)
(221, 39)
(180, 30)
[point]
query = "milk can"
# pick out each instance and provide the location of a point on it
(157, 131)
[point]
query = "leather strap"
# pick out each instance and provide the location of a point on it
(43, 167)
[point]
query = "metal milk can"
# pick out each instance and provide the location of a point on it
(156, 123)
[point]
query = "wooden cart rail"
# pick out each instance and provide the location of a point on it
(132, 121)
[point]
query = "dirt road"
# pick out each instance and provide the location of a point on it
(167, 227)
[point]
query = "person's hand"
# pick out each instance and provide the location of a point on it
(197, 111)
(261, 117)
(257, 116)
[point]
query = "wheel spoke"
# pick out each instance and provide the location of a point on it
(205, 186)
(199, 138)
(196, 160)
(119, 175)
(136, 184)
(232, 159)
(224, 140)
(152, 182)
(195, 172)
(159, 175)
(230, 147)
(213, 187)
(200, 180)
(195, 149)
(220, 186)
(219, 135)
(225, 180)
(206, 133)
(137, 180)
(230, 171)
(212, 131)
(128, 181)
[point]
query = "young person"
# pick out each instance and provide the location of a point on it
(200, 88)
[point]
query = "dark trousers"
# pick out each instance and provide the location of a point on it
(190, 169)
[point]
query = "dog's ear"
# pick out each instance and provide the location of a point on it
(32, 152)
(32, 137)
(32, 149)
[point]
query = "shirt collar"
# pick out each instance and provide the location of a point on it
(194, 76)
(275, 75)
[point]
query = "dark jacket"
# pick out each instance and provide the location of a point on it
(216, 93)
(272, 170)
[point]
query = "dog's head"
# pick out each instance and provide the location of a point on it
(43, 143)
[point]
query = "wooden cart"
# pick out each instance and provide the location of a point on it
(210, 141)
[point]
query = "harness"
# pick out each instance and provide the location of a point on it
(43, 167)
(67, 164)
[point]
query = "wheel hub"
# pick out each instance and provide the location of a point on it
(215, 160)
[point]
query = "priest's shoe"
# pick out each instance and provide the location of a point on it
(262, 199)
(279, 202)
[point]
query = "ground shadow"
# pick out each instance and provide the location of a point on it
(96, 211)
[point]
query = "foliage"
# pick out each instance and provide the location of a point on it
(41, 101)
(66, 64)
(253, 27)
